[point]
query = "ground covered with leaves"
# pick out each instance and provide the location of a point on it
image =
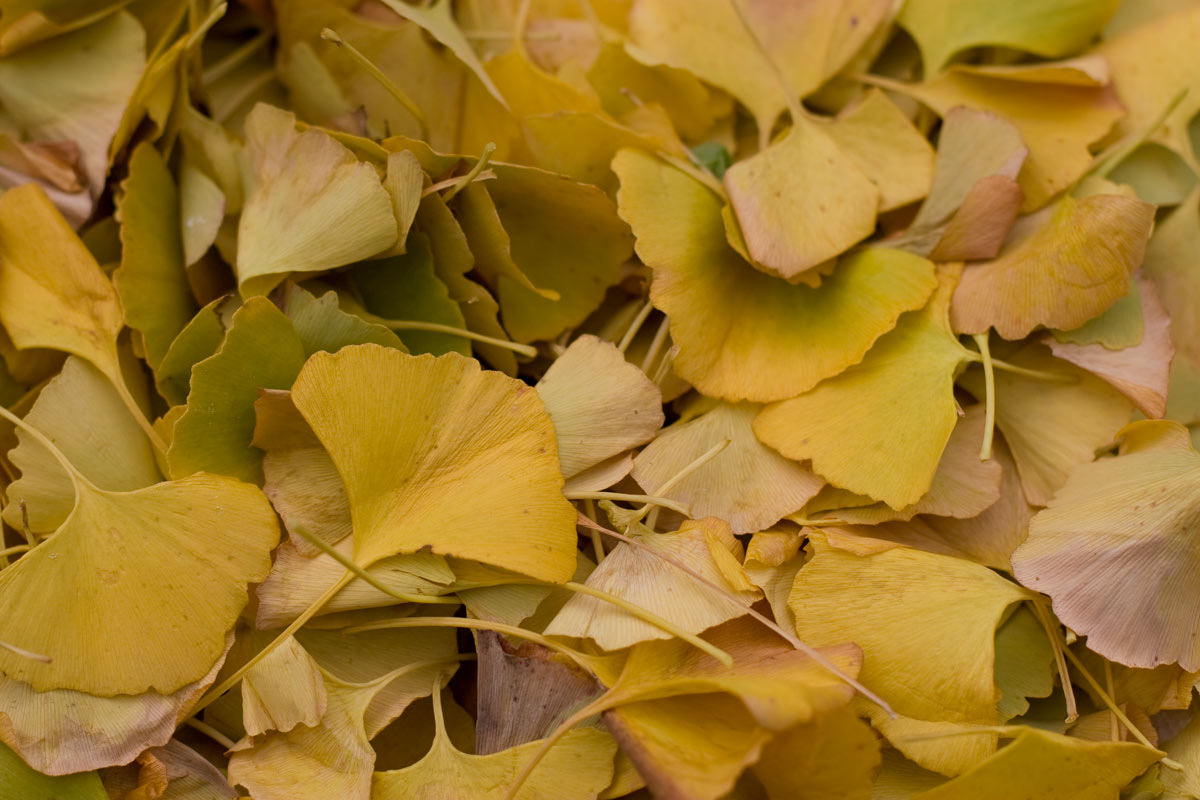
(577, 399)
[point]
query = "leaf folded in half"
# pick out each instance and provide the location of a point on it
(81, 413)
(742, 334)
(282, 691)
(650, 581)
(808, 41)
(1116, 550)
(160, 572)
(1140, 372)
(600, 404)
(801, 201)
(1061, 267)
(1047, 765)
(436, 453)
(880, 427)
(311, 204)
(1051, 426)
(1052, 29)
(748, 485)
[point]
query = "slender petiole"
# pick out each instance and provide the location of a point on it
(368, 66)
(989, 381)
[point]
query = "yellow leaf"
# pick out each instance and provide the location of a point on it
(648, 580)
(282, 691)
(897, 407)
(831, 758)
(1061, 267)
(600, 404)
(1040, 764)
(943, 28)
(801, 201)
(808, 41)
(748, 485)
(311, 204)
(1118, 529)
(743, 335)
(398, 427)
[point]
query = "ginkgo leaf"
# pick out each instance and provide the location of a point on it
(201, 211)
(74, 88)
(1183, 748)
(567, 238)
(1061, 267)
(974, 197)
(577, 768)
(1117, 531)
(808, 42)
(151, 280)
(748, 485)
(174, 772)
(1059, 113)
(71, 307)
(1121, 326)
(647, 579)
(523, 693)
(81, 413)
(801, 201)
(23, 781)
(63, 731)
(926, 623)
(987, 538)
(406, 287)
(1043, 764)
(831, 758)
(943, 29)
(1174, 272)
(1140, 372)
(311, 204)
(600, 404)
(880, 139)
(261, 350)
(398, 426)
(168, 565)
(1024, 663)
(198, 340)
(1150, 63)
(282, 691)
(963, 486)
(743, 335)
(1051, 426)
(299, 477)
(893, 459)
(322, 325)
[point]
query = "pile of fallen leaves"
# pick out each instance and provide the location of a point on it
(576, 399)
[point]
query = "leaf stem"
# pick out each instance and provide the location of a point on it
(479, 625)
(770, 624)
(1115, 709)
(23, 653)
(598, 705)
(436, 327)
(368, 66)
(12, 551)
(210, 732)
(630, 498)
(989, 382)
(295, 625)
(1056, 644)
(634, 326)
(1037, 374)
(480, 165)
(656, 344)
(365, 576)
(139, 416)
